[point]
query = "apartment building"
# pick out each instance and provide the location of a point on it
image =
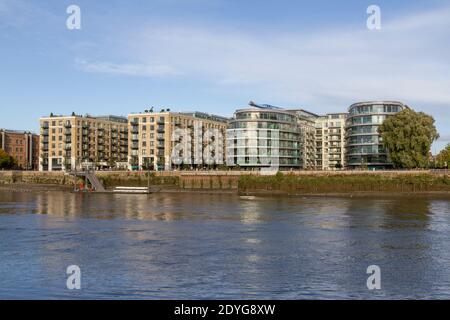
(330, 141)
(176, 140)
(262, 137)
(365, 149)
(307, 123)
(23, 146)
(77, 142)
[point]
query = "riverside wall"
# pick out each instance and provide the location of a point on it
(247, 181)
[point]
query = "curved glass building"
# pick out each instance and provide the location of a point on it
(363, 142)
(263, 136)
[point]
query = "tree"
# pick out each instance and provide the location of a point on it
(6, 161)
(408, 136)
(443, 158)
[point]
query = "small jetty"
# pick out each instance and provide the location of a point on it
(93, 184)
(132, 190)
(89, 178)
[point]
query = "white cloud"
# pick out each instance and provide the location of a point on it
(141, 70)
(407, 60)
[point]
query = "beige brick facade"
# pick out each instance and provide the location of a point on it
(69, 142)
(151, 145)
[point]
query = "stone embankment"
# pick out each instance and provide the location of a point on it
(294, 182)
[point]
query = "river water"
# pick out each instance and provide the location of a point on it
(199, 246)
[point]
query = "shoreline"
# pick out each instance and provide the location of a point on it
(255, 193)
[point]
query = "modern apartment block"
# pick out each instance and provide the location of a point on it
(307, 123)
(23, 146)
(307, 141)
(264, 136)
(258, 137)
(364, 143)
(76, 142)
(330, 141)
(176, 140)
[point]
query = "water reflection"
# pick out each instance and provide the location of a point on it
(222, 246)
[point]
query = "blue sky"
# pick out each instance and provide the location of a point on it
(216, 55)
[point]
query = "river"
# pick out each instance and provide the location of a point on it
(200, 246)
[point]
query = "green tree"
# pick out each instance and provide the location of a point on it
(6, 161)
(408, 137)
(443, 158)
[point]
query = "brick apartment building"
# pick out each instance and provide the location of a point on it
(23, 146)
(76, 142)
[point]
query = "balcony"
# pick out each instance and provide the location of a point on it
(134, 137)
(67, 147)
(44, 147)
(160, 137)
(161, 129)
(135, 130)
(45, 132)
(45, 125)
(135, 146)
(67, 125)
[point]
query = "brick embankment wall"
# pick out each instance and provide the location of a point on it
(35, 177)
(247, 181)
(394, 182)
